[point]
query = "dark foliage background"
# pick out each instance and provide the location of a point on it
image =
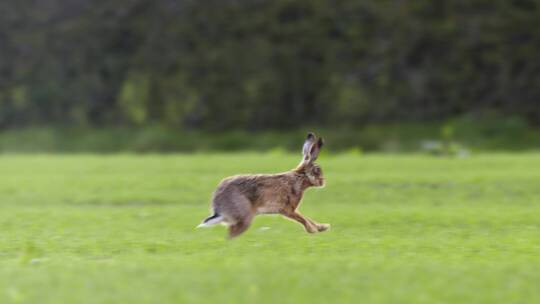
(260, 64)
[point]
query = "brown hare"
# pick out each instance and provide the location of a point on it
(238, 199)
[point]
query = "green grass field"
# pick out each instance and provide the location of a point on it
(405, 229)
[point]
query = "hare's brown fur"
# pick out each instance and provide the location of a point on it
(238, 199)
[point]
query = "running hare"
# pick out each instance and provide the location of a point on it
(238, 199)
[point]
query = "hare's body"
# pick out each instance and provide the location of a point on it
(238, 199)
(266, 194)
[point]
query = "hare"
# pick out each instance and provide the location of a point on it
(238, 199)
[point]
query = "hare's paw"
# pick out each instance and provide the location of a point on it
(312, 229)
(323, 227)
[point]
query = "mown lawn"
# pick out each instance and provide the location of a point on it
(405, 229)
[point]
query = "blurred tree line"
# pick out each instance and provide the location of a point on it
(263, 64)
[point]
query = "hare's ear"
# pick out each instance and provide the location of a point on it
(310, 140)
(315, 149)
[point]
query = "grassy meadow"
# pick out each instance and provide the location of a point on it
(405, 229)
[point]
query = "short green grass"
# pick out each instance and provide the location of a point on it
(405, 229)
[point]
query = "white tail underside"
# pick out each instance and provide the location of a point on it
(211, 222)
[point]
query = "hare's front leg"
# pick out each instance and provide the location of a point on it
(308, 225)
(320, 227)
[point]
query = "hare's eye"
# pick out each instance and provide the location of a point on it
(316, 171)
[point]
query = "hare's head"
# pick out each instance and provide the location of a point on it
(308, 167)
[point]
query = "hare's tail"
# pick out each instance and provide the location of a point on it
(211, 221)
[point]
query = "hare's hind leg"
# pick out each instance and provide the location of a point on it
(237, 211)
(240, 227)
